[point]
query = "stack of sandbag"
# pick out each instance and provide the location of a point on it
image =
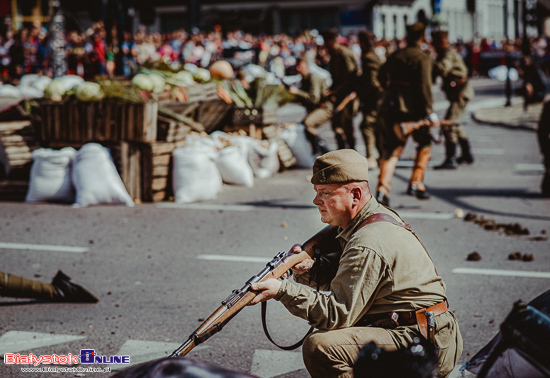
(205, 163)
(195, 175)
(85, 177)
(295, 138)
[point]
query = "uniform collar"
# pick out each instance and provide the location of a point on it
(371, 207)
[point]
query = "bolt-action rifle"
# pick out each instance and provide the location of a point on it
(404, 129)
(322, 242)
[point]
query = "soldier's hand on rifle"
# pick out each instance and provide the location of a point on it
(305, 265)
(267, 289)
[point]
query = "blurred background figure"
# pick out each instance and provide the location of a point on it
(543, 133)
(459, 91)
(370, 92)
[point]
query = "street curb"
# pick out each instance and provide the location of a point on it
(509, 117)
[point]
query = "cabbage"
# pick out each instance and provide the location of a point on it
(88, 91)
(201, 75)
(55, 90)
(143, 81)
(70, 81)
(185, 77)
(158, 82)
(8, 90)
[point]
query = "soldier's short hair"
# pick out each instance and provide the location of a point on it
(415, 31)
(438, 35)
(331, 35)
(367, 38)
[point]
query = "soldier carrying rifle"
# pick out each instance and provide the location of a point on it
(407, 76)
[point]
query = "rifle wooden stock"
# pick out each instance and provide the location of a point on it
(323, 240)
(404, 129)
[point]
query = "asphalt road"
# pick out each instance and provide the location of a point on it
(161, 269)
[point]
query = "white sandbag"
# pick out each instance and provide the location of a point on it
(50, 177)
(295, 137)
(232, 161)
(96, 179)
(195, 175)
(264, 160)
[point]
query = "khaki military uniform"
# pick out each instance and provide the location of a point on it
(343, 69)
(383, 268)
(458, 89)
(370, 92)
(311, 93)
(407, 76)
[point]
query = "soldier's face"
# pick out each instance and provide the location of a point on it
(334, 202)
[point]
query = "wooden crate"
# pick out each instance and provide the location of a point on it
(213, 115)
(17, 141)
(265, 115)
(106, 120)
(169, 130)
(157, 170)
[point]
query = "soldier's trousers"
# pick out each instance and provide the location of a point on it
(333, 353)
(19, 287)
(369, 130)
(342, 123)
(453, 133)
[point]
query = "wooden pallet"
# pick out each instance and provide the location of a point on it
(286, 157)
(106, 120)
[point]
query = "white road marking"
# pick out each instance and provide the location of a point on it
(420, 215)
(17, 341)
(43, 247)
(502, 272)
(204, 206)
(231, 258)
(142, 351)
(271, 363)
(529, 167)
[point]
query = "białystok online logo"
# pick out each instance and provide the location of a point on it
(87, 356)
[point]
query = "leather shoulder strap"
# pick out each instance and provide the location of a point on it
(382, 217)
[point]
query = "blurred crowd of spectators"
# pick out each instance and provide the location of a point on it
(94, 52)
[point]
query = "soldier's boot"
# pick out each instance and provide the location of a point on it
(71, 292)
(466, 156)
(387, 169)
(416, 183)
(60, 290)
(318, 145)
(450, 157)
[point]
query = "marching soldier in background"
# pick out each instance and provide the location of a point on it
(407, 76)
(459, 91)
(310, 95)
(343, 69)
(370, 92)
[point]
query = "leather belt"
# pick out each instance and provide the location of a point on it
(404, 318)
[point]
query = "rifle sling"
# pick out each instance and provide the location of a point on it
(380, 217)
(290, 347)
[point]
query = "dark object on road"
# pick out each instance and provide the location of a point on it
(474, 256)
(71, 292)
(510, 229)
(520, 256)
(521, 349)
(178, 368)
(514, 256)
(417, 361)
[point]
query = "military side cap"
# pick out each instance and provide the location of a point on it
(417, 27)
(439, 34)
(340, 166)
